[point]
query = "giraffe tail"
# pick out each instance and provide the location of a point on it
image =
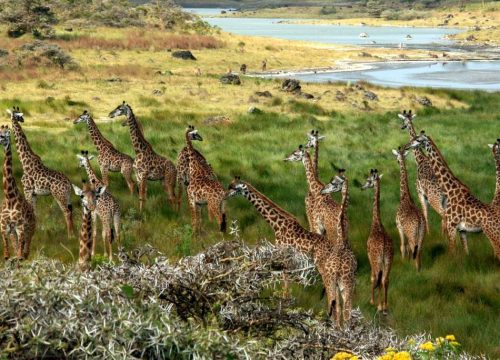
(332, 306)
(379, 279)
(70, 207)
(323, 292)
(112, 235)
(415, 252)
(223, 224)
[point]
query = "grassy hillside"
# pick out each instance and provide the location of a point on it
(452, 294)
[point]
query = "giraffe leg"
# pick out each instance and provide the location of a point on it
(105, 175)
(106, 237)
(116, 225)
(85, 255)
(463, 238)
(338, 304)
(5, 238)
(347, 301)
(451, 234)
(20, 243)
(403, 245)
(425, 210)
(385, 285)
(127, 175)
(67, 210)
(195, 212)
(373, 279)
(492, 232)
(169, 185)
(94, 232)
(142, 193)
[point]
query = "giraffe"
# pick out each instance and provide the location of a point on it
(107, 209)
(38, 179)
(108, 158)
(17, 218)
(464, 212)
(428, 190)
(183, 162)
(148, 165)
(409, 219)
(495, 149)
(335, 262)
(88, 197)
(313, 140)
(322, 211)
(203, 188)
(379, 246)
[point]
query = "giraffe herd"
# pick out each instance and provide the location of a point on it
(326, 240)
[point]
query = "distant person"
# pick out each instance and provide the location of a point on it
(264, 65)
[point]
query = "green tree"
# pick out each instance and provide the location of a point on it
(28, 16)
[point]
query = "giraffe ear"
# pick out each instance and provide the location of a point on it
(9, 112)
(77, 190)
(100, 190)
(395, 152)
(90, 157)
(491, 146)
(380, 176)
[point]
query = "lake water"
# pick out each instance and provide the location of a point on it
(484, 75)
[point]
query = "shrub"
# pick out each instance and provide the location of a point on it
(38, 52)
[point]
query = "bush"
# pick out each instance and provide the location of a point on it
(328, 10)
(40, 52)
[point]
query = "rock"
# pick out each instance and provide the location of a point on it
(424, 101)
(254, 110)
(3, 52)
(264, 94)
(68, 29)
(96, 98)
(157, 92)
(306, 95)
(291, 85)
(217, 120)
(364, 54)
(243, 68)
(115, 79)
(184, 55)
(370, 95)
(340, 96)
(471, 38)
(230, 79)
(164, 72)
(359, 87)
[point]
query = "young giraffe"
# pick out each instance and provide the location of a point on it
(322, 211)
(17, 218)
(108, 158)
(409, 219)
(335, 262)
(379, 246)
(37, 179)
(89, 198)
(495, 149)
(203, 189)
(463, 212)
(344, 254)
(148, 165)
(428, 189)
(183, 162)
(107, 209)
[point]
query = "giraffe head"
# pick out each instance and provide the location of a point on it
(89, 196)
(420, 141)
(85, 117)
(335, 184)
(5, 136)
(122, 109)
(16, 114)
(296, 155)
(237, 187)
(400, 153)
(407, 119)
(192, 134)
(495, 149)
(84, 157)
(313, 138)
(372, 179)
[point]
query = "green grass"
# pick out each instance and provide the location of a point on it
(459, 295)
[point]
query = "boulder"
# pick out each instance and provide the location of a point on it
(471, 38)
(370, 95)
(230, 79)
(183, 54)
(306, 95)
(424, 101)
(3, 52)
(264, 94)
(254, 110)
(340, 96)
(291, 85)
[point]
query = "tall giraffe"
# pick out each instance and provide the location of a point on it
(88, 197)
(495, 149)
(409, 219)
(148, 165)
(38, 179)
(428, 189)
(335, 262)
(17, 218)
(322, 211)
(108, 158)
(313, 140)
(107, 209)
(203, 188)
(464, 212)
(379, 246)
(183, 162)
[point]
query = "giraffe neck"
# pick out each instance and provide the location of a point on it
(97, 138)
(496, 198)
(376, 206)
(404, 189)
(139, 143)
(85, 239)
(447, 180)
(313, 182)
(316, 155)
(26, 155)
(10, 190)
(420, 158)
(342, 219)
(93, 178)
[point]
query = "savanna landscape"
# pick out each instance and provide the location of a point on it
(173, 293)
